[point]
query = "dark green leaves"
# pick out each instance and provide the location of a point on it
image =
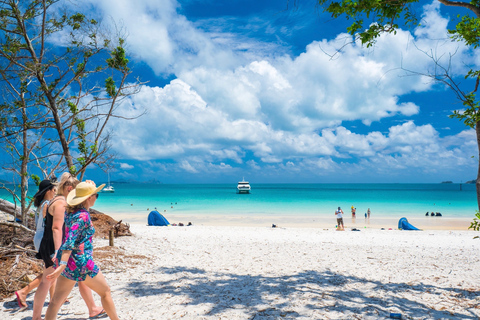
(468, 30)
(118, 59)
(382, 16)
(110, 86)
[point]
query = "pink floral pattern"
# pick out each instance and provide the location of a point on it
(79, 231)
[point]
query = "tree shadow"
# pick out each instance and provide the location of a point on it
(299, 295)
(318, 292)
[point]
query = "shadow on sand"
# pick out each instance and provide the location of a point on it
(308, 293)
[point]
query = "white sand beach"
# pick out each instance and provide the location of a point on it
(297, 220)
(234, 272)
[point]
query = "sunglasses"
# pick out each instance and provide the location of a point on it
(96, 195)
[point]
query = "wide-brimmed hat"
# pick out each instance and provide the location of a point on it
(82, 192)
(43, 187)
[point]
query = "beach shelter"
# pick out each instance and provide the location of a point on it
(155, 218)
(403, 224)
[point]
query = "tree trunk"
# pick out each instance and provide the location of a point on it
(477, 131)
(24, 177)
(61, 132)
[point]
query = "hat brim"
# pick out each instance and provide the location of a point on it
(73, 200)
(40, 193)
(45, 190)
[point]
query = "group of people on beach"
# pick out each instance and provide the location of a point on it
(339, 215)
(63, 240)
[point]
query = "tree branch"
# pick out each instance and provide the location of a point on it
(467, 5)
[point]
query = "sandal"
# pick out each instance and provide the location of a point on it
(101, 314)
(21, 304)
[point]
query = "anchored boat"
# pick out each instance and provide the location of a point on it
(243, 187)
(109, 187)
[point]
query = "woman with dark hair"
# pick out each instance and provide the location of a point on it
(51, 242)
(46, 191)
(76, 257)
(41, 200)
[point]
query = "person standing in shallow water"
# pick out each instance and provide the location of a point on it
(76, 256)
(339, 215)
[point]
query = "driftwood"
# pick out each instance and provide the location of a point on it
(10, 208)
(16, 225)
(104, 223)
(122, 229)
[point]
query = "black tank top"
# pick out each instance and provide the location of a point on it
(47, 247)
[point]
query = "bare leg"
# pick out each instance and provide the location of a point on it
(62, 290)
(87, 296)
(52, 291)
(100, 286)
(41, 294)
(22, 293)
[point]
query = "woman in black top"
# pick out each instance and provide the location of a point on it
(51, 242)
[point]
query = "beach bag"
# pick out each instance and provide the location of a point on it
(40, 225)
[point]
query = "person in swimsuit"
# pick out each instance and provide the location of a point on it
(46, 191)
(50, 243)
(76, 257)
(339, 215)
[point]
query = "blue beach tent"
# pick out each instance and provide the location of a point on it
(156, 219)
(403, 224)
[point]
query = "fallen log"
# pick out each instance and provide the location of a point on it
(16, 225)
(10, 208)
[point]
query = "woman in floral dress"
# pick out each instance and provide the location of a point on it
(76, 256)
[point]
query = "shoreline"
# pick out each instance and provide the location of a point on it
(300, 221)
(289, 221)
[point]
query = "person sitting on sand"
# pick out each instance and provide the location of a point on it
(76, 253)
(339, 215)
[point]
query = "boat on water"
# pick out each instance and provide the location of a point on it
(109, 187)
(243, 187)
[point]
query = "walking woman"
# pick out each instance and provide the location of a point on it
(76, 258)
(50, 243)
(46, 191)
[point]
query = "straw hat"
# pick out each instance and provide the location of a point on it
(82, 192)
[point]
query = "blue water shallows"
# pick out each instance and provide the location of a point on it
(384, 200)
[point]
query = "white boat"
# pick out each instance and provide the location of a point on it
(109, 188)
(243, 187)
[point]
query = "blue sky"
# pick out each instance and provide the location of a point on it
(249, 89)
(253, 89)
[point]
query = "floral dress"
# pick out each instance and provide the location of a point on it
(79, 231)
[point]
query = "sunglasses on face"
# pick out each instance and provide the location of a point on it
(96, 195)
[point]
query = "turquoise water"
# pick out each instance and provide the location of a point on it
(292, 199)
(384, 200)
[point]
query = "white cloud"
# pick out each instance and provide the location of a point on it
(185, 165)
(126, 166)
(229, 104)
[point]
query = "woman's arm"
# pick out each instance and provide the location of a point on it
(62, 265)
(57, 225)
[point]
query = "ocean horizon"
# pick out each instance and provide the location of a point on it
(136, 200)
(384, 200)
